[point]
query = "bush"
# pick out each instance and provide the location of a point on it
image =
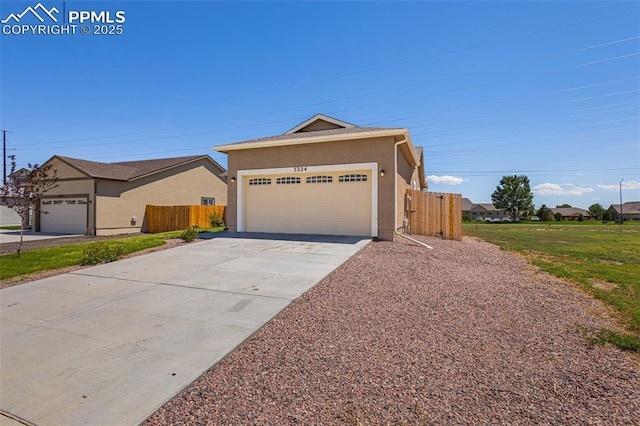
(557, 217)
(216, 219)
(189, 234)
(101, 252)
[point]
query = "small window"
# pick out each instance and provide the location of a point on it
(82, 201)
(47, 202)
(320, 179)
(57, 202)
(289, 180)
(260, 181)
(70, 201)
(354, 177)
(208, 201)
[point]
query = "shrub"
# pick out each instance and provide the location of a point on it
(557, 217)
(216, 219)
(189, 234)
(101, 252)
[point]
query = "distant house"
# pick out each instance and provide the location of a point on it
(572, 213)
(110, 198)
(630, 210)
(481, 211)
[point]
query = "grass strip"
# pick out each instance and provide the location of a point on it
(12, 266)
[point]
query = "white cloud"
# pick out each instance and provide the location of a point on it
(445, 180)
(555, 189)
(631, 184)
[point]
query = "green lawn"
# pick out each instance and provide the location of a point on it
(602, 258)
(39, 260)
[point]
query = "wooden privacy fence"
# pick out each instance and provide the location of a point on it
(174, 218)
(435, 214)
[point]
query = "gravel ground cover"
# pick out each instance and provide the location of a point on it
(462, 334)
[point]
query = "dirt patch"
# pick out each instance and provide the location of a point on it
(602, 285)
(611, 262)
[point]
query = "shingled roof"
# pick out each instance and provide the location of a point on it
(129, 170)
(314, 134)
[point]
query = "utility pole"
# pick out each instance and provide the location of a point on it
(4, 157)
(621, 217)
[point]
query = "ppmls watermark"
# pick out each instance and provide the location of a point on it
(40, 20)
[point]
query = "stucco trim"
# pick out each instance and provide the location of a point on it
(241, 174)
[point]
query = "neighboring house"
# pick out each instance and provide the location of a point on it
(481, 211)
(110, 198)
(630, 210)
(8, 216)
(324, 176)
(571, 213)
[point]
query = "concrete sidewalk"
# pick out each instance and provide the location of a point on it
(111, 344)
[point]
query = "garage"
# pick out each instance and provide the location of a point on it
(324, 176)
(323, 202)
(64, 216)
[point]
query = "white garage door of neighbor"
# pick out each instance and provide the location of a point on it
(328, 203)
(64, 216)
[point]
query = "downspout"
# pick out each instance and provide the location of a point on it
(395, 195)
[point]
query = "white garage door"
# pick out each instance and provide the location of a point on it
(329, 203)
(64, 216)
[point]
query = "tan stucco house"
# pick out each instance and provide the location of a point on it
(110, 198)
(324, 176)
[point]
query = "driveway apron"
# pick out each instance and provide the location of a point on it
(112, 343)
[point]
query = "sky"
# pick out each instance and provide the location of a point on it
(548, 89)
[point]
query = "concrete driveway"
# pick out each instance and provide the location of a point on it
(112, 343)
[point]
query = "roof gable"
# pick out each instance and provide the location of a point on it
(319, 122)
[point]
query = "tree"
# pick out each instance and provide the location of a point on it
(545, 214)
(513, 195)
(24, 188)
(606, 216)
(596, 210)
(563, 206)
(558, 217)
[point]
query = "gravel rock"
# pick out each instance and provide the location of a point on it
(462, 334)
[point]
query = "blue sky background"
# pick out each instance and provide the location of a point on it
(546, 89)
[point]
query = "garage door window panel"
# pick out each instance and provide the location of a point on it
(259, 181)
(288, 180)
(320, 179)
(353, 177)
